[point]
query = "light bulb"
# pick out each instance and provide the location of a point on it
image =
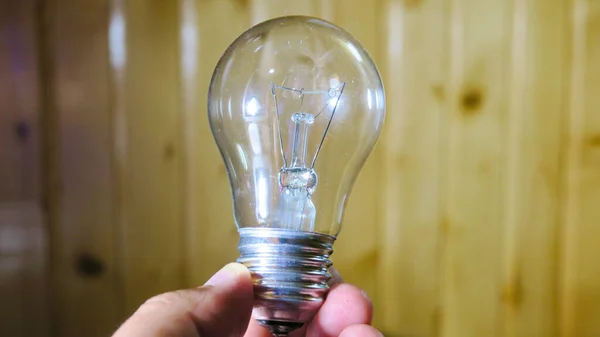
(295, 105)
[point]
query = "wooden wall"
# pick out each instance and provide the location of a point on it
(477, 215)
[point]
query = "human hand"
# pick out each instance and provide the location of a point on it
(223, 307)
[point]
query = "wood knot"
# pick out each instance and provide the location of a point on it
(242, 3)
(89, 266)
(471, 101)
(485, 166)
(401, 161)
(512, 293)
(445, 226)
(22, 130)
(438, 92)
(169, 151)
(412, 3)
(594, 141)
(222, 171)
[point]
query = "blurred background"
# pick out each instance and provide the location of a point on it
(478, 214)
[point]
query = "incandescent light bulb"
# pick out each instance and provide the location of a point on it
(295, 106)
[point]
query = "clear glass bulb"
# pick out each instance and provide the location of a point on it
(295, 105)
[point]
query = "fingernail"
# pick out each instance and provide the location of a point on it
(336, 277)
(228, 275)
(365, 295)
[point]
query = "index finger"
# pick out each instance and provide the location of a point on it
(346, 305)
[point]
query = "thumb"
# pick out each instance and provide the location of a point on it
(222, 307)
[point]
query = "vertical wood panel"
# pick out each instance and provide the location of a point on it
(86, 299)
(210, 228)
(581, 274)
(588, 269)
(148, 152)
(570, 196)
(473, 205)
(23, 290)
(414, 72)
(357, 243)
(23, 287)
(261, 10)
(538, 41)
(18, 96)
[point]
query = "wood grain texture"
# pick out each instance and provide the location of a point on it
(414, 72)
(19, 133)
(261, 10)
(476, 215)
(533, 148)
(579, 282)
(472, 226)
(588, 271)
(358, 241)
(148, 156)
(23, 260)
(83, 234)
(211, 233)
(23, 254)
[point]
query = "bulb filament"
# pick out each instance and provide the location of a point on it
(298, 181)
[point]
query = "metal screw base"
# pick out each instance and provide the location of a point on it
(290, 273)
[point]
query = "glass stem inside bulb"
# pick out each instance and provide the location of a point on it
(297, 182)
(296, 210)
(302, 123)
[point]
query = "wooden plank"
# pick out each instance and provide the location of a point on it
(414, 73)
(570, 196)
(18, 101)
(147, 116)
(211, 236)
(261, 10)
(22, 271)
(588, 272)
(12, 308)
(35, 272)
(22, 236)
(327, 9)
(473, 204)
(532, 186)
(580, 290)
(356, 251)
(86, 297)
